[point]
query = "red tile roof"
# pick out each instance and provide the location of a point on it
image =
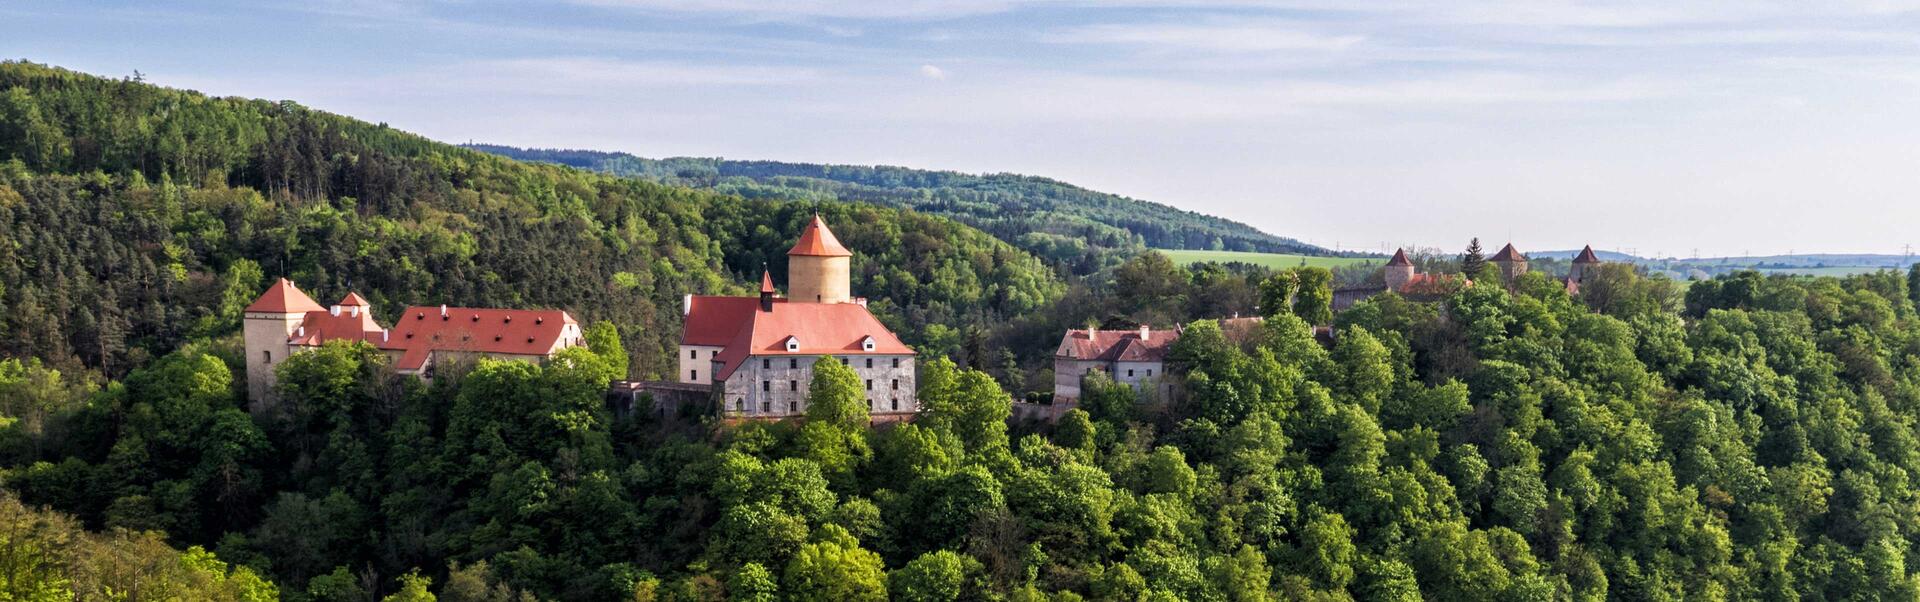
(817, 240)
(1508, 253)
(818, 328)
(766, 282)
(1587, 256)
(1116, 345)
(713, 321)
(283, 298)
(353, 299)
(1399, 258)
(422, 330)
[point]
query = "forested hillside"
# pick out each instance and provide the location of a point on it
(137, 218)
(1078, 229)
(1752, 438)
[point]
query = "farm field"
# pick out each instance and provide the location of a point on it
(1272, 260)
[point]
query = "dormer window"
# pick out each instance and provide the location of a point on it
(793, 344)
(866, 344)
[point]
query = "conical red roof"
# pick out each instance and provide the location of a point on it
(353, 299)
(1508, 253)
(766, 282)
(283, 298)
(816, 240)
(1399, 258)
(1587, 256)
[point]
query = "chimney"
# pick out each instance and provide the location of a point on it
(443, 311)
(335, 310)
(384, 333)
(1146, 333)
(355, 312)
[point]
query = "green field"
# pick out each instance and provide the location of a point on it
(1272, 260)
(1841, 271)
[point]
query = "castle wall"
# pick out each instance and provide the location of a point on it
(265, 338)
(776, 386)
(1067, 375)
(696, 363)
(814, 279)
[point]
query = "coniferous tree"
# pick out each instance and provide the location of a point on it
(1471, 261)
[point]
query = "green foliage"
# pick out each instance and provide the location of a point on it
(1313, 301)
(834, 569)
(1062, 223)
(835, 397)
(1276, 294)
(46, 556)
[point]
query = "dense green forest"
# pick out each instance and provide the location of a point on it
(1076, 229)
(137, 218)
(1752, 437)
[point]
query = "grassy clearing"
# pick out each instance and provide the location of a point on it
(1824, 271)
(1272, 260)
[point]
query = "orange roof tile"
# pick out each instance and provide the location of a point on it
(818, 328)
(353, 299)
(766, 282)
(713, 321)
(283, 298)
(816, 240)
(1587, 256)
(422, 330)
(1116, 345)
(1508, 253)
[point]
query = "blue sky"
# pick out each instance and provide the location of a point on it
(1726, 127)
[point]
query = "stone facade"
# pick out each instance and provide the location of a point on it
(265, 335)
(776, 387)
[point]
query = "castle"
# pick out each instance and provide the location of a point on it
(1401, 276)
(285, 321)
(758, 353)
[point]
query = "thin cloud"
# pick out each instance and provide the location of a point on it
(932, 72)
(1218, 35)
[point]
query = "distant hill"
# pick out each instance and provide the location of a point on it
(1072, 226)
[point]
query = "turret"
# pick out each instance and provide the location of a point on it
(1399, 270)
(266, 326)
(766, 290)
(1583, 264)
(1512, 264)
(818, 267)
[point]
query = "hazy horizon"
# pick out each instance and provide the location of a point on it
(1709, 129)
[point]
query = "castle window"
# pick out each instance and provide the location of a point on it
(766, 385)
(766, 364)
(693, 375)
(693, 354)
(1129, 373)
(793, 385)
(267, 355)
(793, 362)
(740, 405)
(793, 407)
(793, 344)
(766, 407)
(869, 384)
(896, 362)
(896, 384)
(867, 343)
(869, 362)
(1149, 372)
(896, 403)
(846, 361)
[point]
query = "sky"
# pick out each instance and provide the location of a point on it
(1660, 128)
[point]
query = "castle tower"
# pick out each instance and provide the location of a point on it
(266, 326)
(818, 267)
(1399, 270)
(1583, 264)
(1512, 263)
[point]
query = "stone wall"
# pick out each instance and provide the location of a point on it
(776, 386)
(265, 338)
(1068, 373)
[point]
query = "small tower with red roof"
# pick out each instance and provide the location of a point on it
(266, 325)
(1583, 263)
(1512, 264)
(1399, 270)
(819, 269)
